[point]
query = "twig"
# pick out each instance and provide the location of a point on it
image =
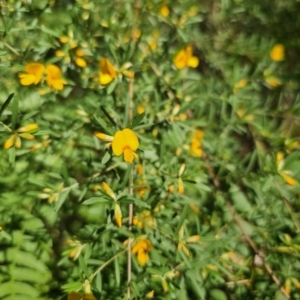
(238, 221)
(131, 179)
(91, 277)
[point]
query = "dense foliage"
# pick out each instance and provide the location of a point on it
(150, 149)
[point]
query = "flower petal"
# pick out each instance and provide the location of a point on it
(27, 79)
(142, 257)
(180, 60)
(118, 143)
(105, 78)
(131, 140)
(10, 142)
(193, 62)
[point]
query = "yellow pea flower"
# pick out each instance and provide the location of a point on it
(54, 77)
(125, 142)
(141, 248)
(277, 53)
(185, 58)
(107, 72)
(80, 296)
(34, 73)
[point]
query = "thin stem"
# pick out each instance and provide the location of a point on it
(91, 277)
(130, 117)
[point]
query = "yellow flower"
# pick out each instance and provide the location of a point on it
(54, 77)
(195, 146)
(141, 248)
(277, 53)
(33, 75)
(125, 142)
(107, 72)
(185, 58)
(24, 132)
(164, 11)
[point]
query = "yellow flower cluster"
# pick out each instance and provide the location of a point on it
(141, 248)
(24, 132)
(185, 58)
(195, 145)
(34, 74)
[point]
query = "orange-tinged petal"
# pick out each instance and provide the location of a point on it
(54, 77)
(10, 141)
(130, 139)
(180, 60)
(118, 143)
(79, 52)
(107, 68)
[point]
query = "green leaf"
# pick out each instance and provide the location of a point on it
(62, 198)
(94, 200)
(72, 287)
(112, 86)
(5, 235)
(103, 124)
(14, 111)
(182, 217)
(240, 201)
(6, 103)
(117, 271)
(105, 158)
(137, 202)
(137, 120)
(126, 177)
(217, 294)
